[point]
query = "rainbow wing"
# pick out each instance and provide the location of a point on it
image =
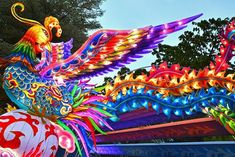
(106, 50)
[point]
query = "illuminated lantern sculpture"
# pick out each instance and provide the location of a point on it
(25, 135)
(55, 86)
(55, 90)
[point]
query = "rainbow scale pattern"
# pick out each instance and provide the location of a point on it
(28, 89)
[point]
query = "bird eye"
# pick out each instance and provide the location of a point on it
(45, 32)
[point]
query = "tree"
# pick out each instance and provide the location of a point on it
(140, 72)
(123, 72)
(196, 48)
(76, 17)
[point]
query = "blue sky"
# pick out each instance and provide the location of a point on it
(130, 14)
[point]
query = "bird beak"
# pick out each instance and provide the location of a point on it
(48, 47)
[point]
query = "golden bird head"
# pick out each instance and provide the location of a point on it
(38, 35)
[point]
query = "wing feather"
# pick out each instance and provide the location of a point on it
(106, 50)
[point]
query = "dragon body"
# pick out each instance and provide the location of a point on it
(56, 86)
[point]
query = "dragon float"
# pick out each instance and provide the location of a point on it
(58, 106)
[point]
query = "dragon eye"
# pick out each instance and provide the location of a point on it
(45, 32)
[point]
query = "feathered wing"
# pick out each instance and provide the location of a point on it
(106, 50)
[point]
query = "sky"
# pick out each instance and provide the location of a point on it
(130, 14)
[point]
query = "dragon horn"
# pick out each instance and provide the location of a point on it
(51, 22)
(21, 19)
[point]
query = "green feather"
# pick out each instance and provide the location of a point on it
(96, 126)
(78, 103)
(74, 90)
(24, 48)
(78, 95)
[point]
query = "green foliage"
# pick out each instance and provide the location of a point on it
(2, 111)
(3, 98)
(108, 79)
(140, 72)
(196, 48)
(76, 18)
(123, 72)
(5, 48)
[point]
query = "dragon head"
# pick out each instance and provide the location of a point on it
(38, 36)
